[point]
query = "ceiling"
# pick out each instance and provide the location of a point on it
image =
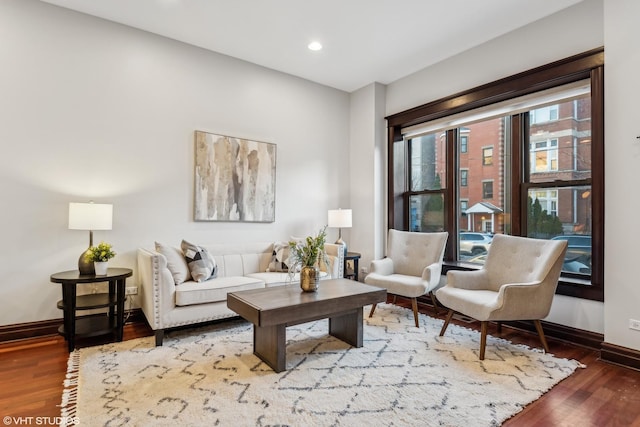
(364, 41)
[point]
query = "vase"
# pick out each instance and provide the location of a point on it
(309, 278)
(101, 267)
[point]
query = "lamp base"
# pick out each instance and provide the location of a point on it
(85, 267)
(343, 243)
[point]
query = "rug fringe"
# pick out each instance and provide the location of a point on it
(68, 405)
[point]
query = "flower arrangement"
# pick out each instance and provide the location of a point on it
(101, 253)
(308, 252)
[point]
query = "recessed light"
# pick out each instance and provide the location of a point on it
(314, 46)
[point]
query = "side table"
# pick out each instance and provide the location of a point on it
(348, 274)
(90, 326)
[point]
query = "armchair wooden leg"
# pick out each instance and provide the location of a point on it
(541, 333)
(394, 299)
(373, 308)
(414, 306)
(435, 303)
(483, 338)
(499, 326)
(446, 322)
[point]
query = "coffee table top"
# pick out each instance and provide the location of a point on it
(289, 304)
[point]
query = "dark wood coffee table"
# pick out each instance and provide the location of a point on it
(271, 310)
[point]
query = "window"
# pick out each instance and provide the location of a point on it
(487, 190)
(535, 162)
(544, 114)
(426, 198)
(559, 180)
(464, 142)
(545, 201)
(544, 155)
(487, 156)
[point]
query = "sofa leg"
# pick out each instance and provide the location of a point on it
(159, 333)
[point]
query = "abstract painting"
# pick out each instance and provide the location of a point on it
(235, 179)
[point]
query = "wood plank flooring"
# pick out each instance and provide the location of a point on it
(600, 395)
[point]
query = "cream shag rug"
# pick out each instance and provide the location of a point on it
(402, 376)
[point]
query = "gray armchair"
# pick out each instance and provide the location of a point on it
(412, 267)
(518, 282)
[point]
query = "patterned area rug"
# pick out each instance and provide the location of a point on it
(402, 376)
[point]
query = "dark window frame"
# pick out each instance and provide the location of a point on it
(587, 65)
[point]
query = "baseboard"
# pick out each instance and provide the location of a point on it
(49, 327)
(564, 333)
(618, 355)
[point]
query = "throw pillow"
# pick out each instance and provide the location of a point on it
(279, 257)
(201, 264)
(176, 263)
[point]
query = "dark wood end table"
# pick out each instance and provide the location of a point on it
(355, 257)
(71, 302)
(271, 310)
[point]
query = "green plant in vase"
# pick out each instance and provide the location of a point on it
(100, 255)
(307, 256)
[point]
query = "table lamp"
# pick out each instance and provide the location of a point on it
(89, 216)
(339, 218)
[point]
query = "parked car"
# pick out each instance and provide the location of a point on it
(571, 266)
(578, 249)
(575, 267)
(474, 243)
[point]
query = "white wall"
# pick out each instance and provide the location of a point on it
(368, 173)
(622, 156)
(566, 33)
(96, 110)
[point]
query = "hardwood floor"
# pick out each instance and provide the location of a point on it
(32, 372)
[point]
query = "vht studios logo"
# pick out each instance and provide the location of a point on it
(40, 421)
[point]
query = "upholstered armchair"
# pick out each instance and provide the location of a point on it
(518, 282)
(412, 267)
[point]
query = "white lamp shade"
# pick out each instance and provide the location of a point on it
(339, 218)
(90, 216)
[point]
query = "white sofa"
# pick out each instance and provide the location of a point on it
(239, 267)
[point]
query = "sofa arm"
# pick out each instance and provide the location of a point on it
(157, 292)
(336, 260)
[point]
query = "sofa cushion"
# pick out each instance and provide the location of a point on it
(176, 263)
(213, 290)
(201, 264)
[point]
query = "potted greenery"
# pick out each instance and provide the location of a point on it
(100, 255)
(306, 256)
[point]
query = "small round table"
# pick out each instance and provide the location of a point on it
(89, 326)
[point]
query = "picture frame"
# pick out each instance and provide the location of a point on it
(235, 179)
